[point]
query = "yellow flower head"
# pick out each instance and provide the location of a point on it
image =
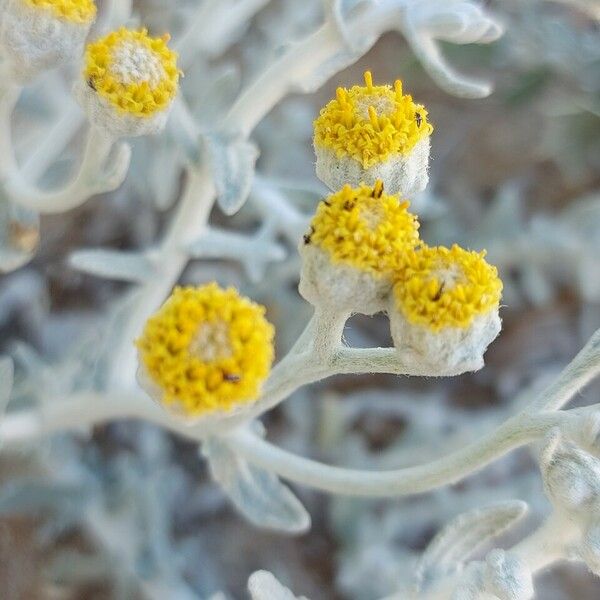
(371, 123)
(364, 228)
(73, 11)
(441, 287)
(208, 349)
(134, 72)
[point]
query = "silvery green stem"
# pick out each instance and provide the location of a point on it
(515, 432)
(91, 178)
(582, 369)
(9, 96)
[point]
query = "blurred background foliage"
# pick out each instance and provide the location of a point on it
(128, 511)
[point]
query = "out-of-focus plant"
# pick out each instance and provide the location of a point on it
(206, 354)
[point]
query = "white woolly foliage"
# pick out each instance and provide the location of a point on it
(255, 253)
(502, 576)
(129, 488)
(6, 382)
(112, 264)
(232, 160)
(462, 537)
(255, 492)
(19, 235)
(571, 476)
(457, 21)
(263, 585)
(589, 550)
(507, 577)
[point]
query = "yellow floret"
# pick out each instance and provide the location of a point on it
(371, 123)
(440, 287)
(364, 228)
(208, 349)
(136, 73)
(74, 11)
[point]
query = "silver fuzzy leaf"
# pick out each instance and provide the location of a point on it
(256, 493)
(571, 476)
(263, 585)
(461, 538)
(232, 160)
(507, 577)
(114, 264)
(6, 382)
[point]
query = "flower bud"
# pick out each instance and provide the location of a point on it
(590, 548)
(206, 352)
(128, 83)
(373, 132)
(40, 34)
(571, 476)
(356, 240)
(507, 577)
(444, 307)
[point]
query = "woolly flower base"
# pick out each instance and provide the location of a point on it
(206, 352)
(402, 174)
(344, 287)
(357, 239)
(35, 37)
(448, 348)
(373, 132)
(128, 83)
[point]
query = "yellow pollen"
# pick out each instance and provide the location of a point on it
(208, 349)
(372, 123)
(135, 73)
(440, 287)
(364, 228)
(73, 11)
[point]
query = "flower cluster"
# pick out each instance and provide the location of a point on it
(370, 133)
(128, 82)
(363, 252)
(207, 350)
(36, 35)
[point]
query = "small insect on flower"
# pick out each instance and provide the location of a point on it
(128, 82)
(445, 306)
(373, 132)
(40, 34)
(205, 352)
(356, 241)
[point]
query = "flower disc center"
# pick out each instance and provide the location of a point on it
(372, 215)
(134, 63)
(383, 105)
(448, 276)
(212, 342)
